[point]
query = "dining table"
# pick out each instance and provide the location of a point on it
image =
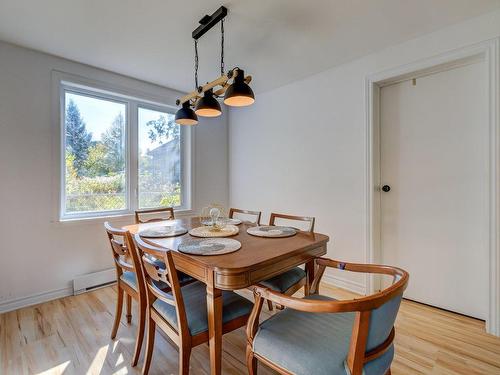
(258, 259)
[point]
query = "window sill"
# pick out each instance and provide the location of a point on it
(126, 218)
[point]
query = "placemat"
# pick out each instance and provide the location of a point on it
(206, 232)
(272, 231)
(163, 231)
(212, 246)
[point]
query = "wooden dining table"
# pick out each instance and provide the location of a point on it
(258, 259)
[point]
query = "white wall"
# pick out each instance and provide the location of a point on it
(301, 148)
(37, 255)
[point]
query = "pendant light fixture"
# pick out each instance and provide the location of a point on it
(185, 115)
(239, 94)
(204, 99)
(208, 106)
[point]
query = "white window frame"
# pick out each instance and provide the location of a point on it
(66, 83)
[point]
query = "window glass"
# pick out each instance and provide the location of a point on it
(95, 154)
(159, 175)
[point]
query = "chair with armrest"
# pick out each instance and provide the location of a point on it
(128, 275)
(182, 313)
(321, 335)
(239, 212)
(165, 213)
(292, 280)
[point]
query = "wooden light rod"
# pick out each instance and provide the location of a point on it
(221, 81)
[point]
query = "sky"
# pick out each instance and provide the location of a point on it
(98, 115)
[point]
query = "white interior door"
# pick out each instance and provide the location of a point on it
(434, 157)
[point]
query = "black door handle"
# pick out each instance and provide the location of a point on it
(386, 188)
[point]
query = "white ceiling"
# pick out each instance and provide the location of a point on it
(277, 41)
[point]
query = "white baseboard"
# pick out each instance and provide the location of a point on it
(35, 299)
(343, 283)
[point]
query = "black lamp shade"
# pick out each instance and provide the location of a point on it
(208, 106)
(185, 115)
(239, 94)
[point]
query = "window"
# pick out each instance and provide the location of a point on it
(119, 153)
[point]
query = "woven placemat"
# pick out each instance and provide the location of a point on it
(207, 232)
(210, 246)
(163, 231)
(272, 231)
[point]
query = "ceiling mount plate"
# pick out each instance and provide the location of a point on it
(207, 22)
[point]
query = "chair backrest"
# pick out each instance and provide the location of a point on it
(245, 213)
(154, 275)
(145, 216)
(124, 252)
(309, 220)
(382, 321)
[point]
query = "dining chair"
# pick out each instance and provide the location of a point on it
(245, 213)
(140, 214)
(182, 313)
(292, 280)
(129, 282)
(320, 335)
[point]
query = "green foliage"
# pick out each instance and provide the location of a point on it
(96, 163)
(98, 193)
(78, 139)
(114, 141)
(163, 129)
(173, 199)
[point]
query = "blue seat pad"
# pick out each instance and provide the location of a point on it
(195, 302)
(284, 281)
(312, 343)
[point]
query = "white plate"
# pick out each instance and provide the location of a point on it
(233, 221)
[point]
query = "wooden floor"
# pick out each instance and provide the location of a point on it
(71, 336)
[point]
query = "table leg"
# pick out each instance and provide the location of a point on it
(310, 271)
(214, 306)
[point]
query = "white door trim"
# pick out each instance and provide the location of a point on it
(487, 51)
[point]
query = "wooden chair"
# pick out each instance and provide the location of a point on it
(182, 313)
(129, 282)
(320, 335)
(257, 214)
(292, 280)
(152, 211)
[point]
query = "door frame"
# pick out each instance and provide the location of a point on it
(488, 52)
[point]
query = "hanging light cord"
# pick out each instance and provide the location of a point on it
(196, 58)
(196, 63)
(222, 47)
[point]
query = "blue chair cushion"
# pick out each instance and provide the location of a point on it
(195, 302)
(128, 277)
(312, 343)
(284, 281)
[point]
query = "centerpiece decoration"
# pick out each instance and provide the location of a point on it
(214, 216)
(214, 222)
